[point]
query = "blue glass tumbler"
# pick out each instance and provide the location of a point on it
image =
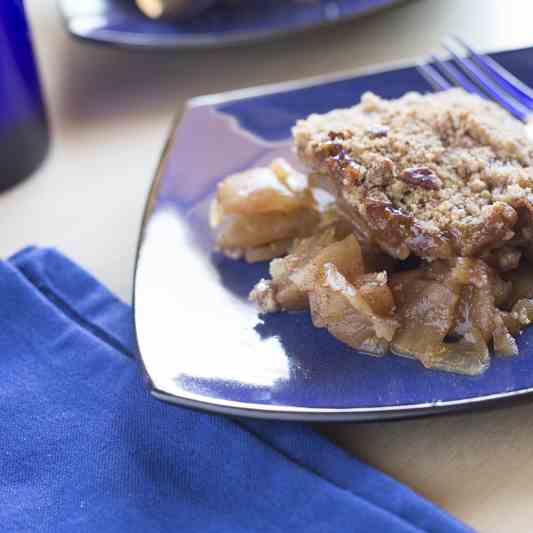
(24, 135)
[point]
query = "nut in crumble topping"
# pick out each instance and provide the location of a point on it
(421, 177)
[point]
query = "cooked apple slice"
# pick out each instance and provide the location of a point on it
(339, 306)
(264, 190)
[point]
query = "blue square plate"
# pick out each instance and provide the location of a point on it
(204, 345)
(120, 22)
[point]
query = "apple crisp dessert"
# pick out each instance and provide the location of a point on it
(411, 231)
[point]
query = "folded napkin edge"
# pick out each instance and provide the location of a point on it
(44, 268)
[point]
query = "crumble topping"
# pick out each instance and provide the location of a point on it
(450, 163)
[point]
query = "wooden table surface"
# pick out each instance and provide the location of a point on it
(111, 110)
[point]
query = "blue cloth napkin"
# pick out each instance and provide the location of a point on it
(84, 447)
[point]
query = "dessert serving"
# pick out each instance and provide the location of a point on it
(410, 232)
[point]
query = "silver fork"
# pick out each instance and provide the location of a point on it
(479, 74)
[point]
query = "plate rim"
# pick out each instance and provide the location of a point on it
(204, 41)
(341, 414)
(280, 411)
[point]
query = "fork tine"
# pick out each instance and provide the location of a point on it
(488, 86)
(512, 84)
(433, 77)
(456, 76)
